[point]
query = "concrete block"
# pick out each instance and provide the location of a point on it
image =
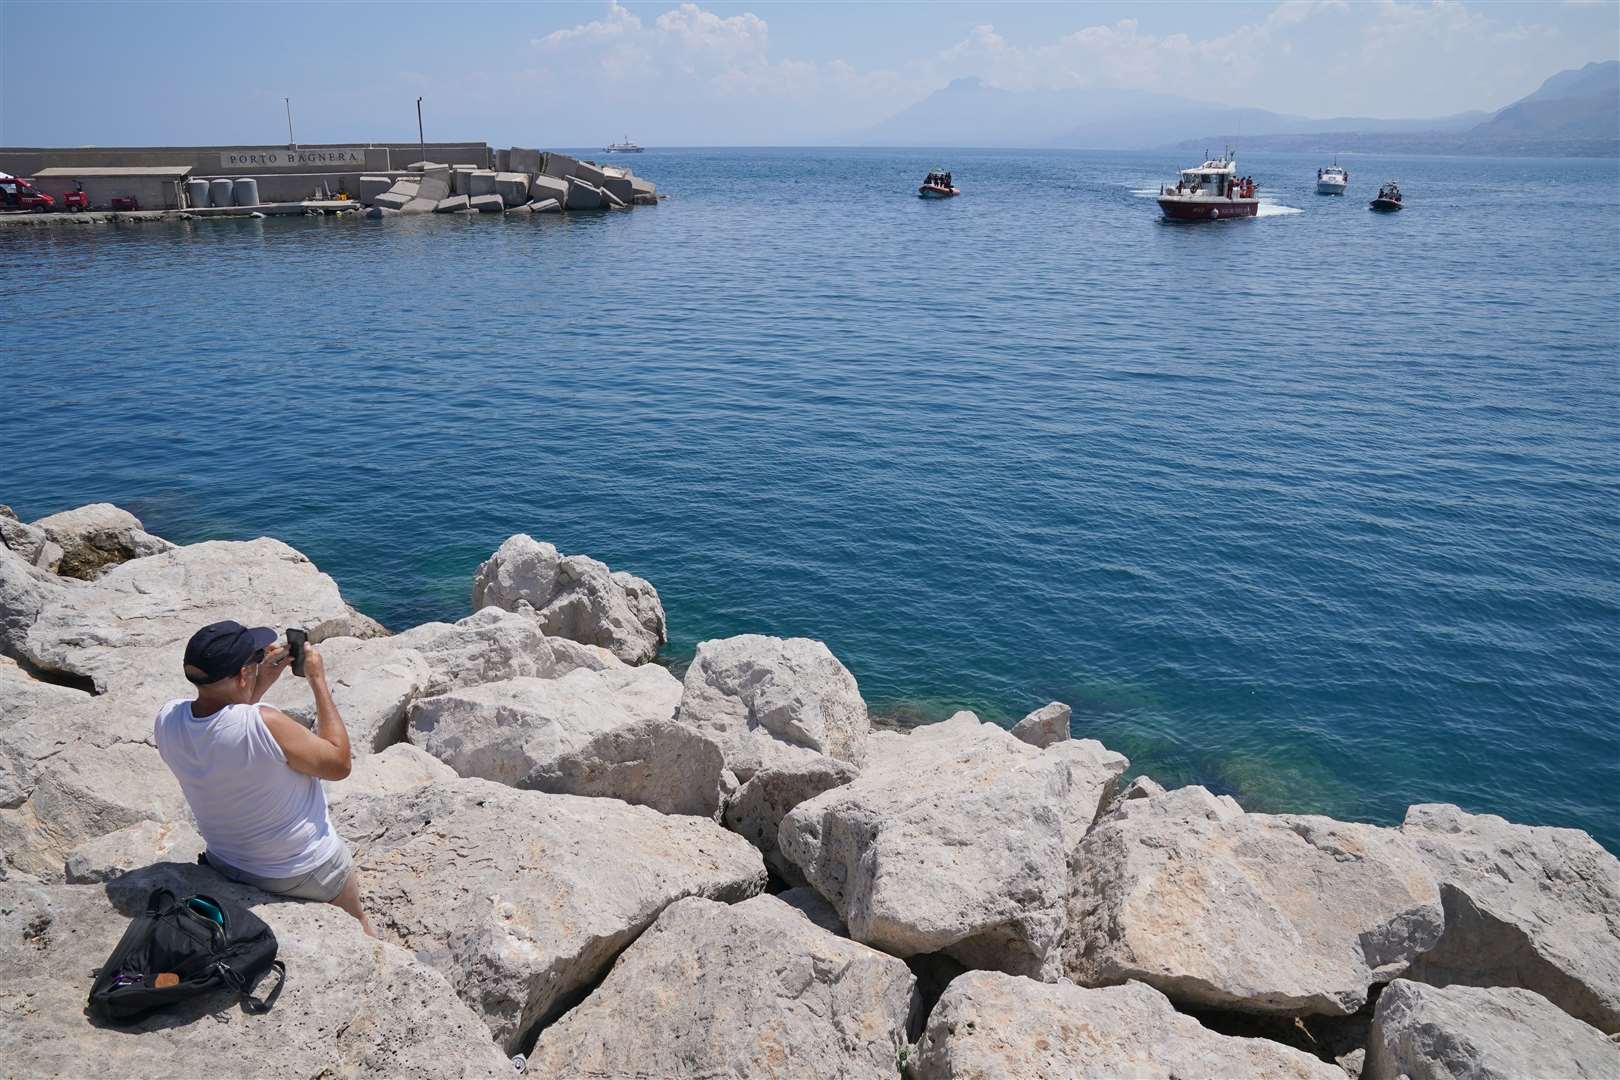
(377, 159)
(420, 206)
(582, 195)
(523, 209)
(645, 200)
(488, 204)
(612, 201)
(451, 204)
(382, 212)
(589, 173)
(512, 187)
(503, 160)
(545, 206)
(422, 166)
(460, 179)
(548, 187)
(392, 200)
(619, 187)
(435, 184)
(524, 161)
(643, 187)
(373, 186)
(559, 165)
(481, 182)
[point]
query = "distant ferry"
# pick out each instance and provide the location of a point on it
(626, 147)
(1332, 180)
(1210, 192)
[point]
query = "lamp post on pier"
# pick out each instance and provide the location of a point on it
(421, 142)
(292, 144)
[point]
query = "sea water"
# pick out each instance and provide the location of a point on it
(1320, 509)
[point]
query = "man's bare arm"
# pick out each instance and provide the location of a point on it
(324, 752)
(276, 659)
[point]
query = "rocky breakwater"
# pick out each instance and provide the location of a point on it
(528, 182)
(576, 856)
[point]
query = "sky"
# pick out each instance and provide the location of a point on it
(790, 72)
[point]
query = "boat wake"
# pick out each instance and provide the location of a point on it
(1270, 209)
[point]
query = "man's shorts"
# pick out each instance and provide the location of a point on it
(322, 883)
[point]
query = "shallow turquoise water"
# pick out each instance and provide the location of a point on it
(1320, 509)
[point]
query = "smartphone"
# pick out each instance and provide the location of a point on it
(296, 637)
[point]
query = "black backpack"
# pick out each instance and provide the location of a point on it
(207, 944)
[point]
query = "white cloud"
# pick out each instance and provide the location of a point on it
(703, 76)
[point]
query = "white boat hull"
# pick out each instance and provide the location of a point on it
(1330, 187)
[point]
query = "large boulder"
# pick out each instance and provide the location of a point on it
(400, 769)
(989, 1024)
(373, 681)
(953, 839)
(28, 542)
(1046, 725)
(524, 899)
(736, 991)
(130, 625)
(1475, 1033)
(505, 731)
(1256, 912)
(774, 702)
(351, 1006)
(491, 644)
(574, 596)
(72, 777)
(755, 811)
(132, 847)
(96, 537)
(25, 591)
(656, 763)
(1525, 906)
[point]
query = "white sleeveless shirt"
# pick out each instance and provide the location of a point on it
(253, 809)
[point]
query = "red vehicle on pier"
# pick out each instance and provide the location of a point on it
(18, 194)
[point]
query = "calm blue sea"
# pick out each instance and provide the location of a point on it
(1321, 509)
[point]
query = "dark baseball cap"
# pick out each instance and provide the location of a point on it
(219, 650)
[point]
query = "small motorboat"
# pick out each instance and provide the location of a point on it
(1389, 197)
(1210, 192)
(937, 186)
(1332, 180)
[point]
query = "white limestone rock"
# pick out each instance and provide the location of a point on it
(492, 645)
(507, 731)
(736, 991)
(96, 537)
(1424, 1032)
(373, 681)
(78, 793)
(25, 591)
(655, 762)
(523, 898)
(29, 542)
(1046, 725)
(351, 1007)
(131, 625)
(132, 847)
(774, 702)
(988, 1024)
(1256, 912)
(1525, 906)
(755, 811)
(953, 839)
(398, 770)
(574, 597)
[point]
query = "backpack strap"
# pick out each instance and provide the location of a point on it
(256, 1006)
(159, 901)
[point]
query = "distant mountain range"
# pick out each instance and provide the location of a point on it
(1573, 113)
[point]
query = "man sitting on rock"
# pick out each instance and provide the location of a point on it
(253, 775)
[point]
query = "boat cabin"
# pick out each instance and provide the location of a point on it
(1210, 178)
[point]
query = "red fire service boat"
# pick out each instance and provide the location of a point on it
(1212, 191)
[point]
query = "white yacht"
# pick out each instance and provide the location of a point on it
(1332, 180)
